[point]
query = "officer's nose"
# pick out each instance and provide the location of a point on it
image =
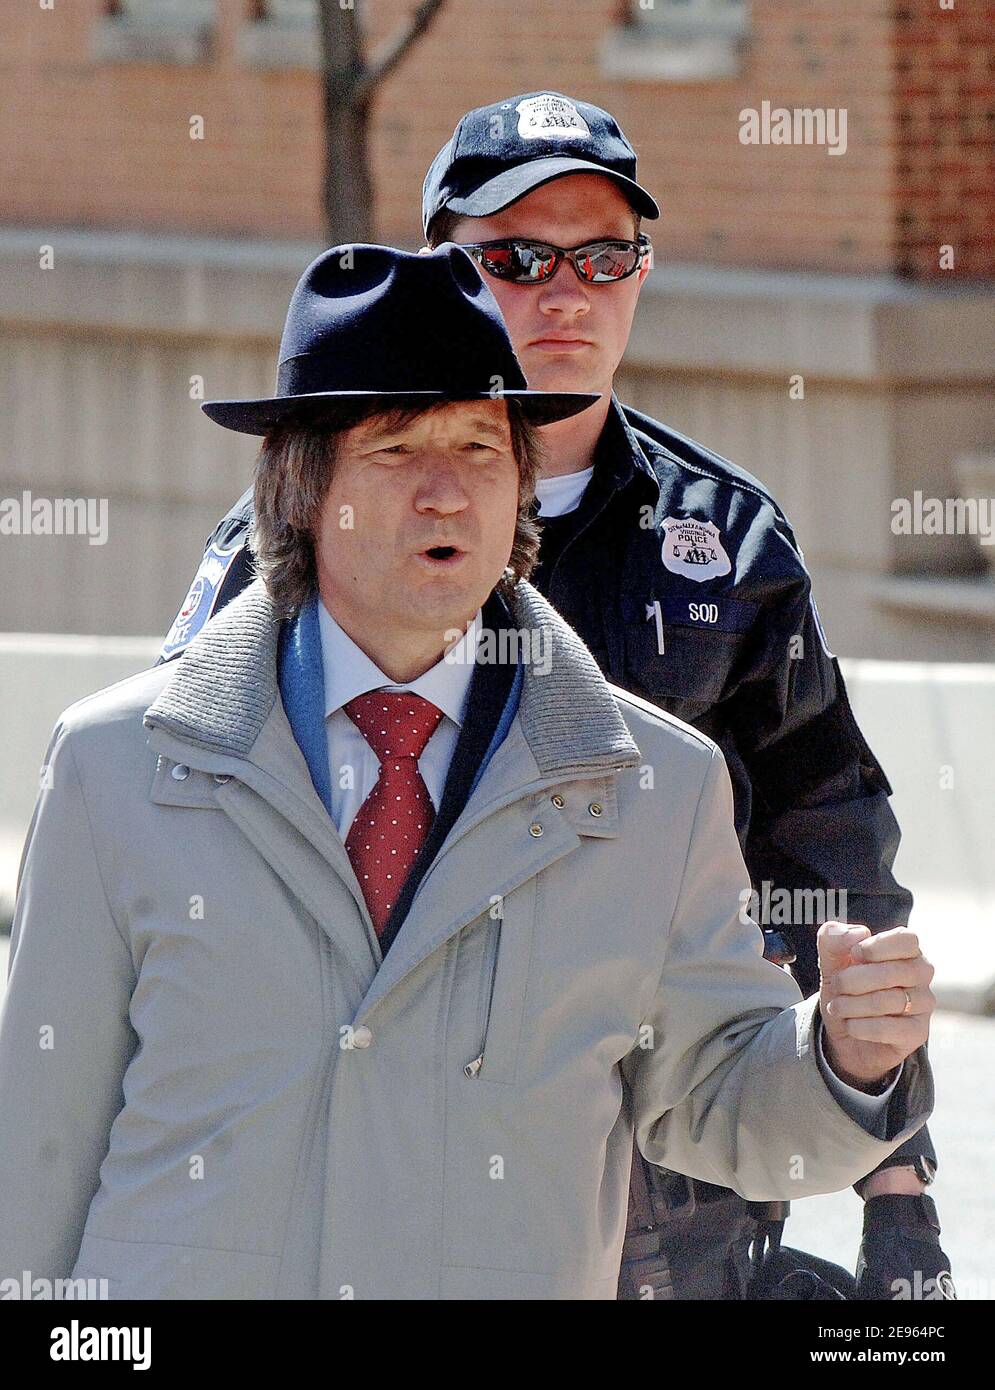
(564, 294)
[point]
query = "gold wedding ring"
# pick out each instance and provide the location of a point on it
(908, 1003)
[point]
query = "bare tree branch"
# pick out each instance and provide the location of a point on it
(390, 53)
(349, 84)
(347, 192)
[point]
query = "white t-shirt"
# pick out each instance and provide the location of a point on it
(557, 496)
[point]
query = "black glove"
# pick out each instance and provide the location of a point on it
(900, 1255)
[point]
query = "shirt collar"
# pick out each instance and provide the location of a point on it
(619, 450)
(349, 672)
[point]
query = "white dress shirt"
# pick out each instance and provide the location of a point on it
(352, 764)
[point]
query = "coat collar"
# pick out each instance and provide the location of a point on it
(221, 712)
(225, 686)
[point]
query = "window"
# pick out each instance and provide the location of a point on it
(289, 11)
(678, 41)
(166, 12)
(282, 34)
(691, 18)
(155, 31)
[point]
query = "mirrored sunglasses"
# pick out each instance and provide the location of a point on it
(525, 262)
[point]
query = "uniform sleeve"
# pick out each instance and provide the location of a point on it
(820, 817)
(821, 820)
(65, 1033)
(234, 527)
(725, 1081)
(226, 568)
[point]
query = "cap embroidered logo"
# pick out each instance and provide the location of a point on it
(550, 117)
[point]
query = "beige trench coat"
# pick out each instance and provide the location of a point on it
(212, 1084)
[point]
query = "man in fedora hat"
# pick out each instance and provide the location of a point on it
(338, 940)
(682, 574)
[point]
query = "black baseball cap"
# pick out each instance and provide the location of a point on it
(498, 153)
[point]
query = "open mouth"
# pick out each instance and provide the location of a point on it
(440, 555)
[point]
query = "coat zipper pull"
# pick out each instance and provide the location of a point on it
(471, 1069)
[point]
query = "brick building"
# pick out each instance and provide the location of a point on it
(98, 99)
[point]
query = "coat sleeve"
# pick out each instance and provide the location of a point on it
(724, 1081)
(65, 1033)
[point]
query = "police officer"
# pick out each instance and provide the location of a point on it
(683, 576)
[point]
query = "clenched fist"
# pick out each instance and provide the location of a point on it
(875, 1000)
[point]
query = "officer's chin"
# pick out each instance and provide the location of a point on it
(559, 372)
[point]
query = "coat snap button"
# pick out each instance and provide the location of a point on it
(222, 777)
(361, 1036)
(558, 802)
(180, 770)
(535, 829)
(595, 808)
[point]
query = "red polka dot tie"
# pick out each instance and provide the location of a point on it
(393, 822)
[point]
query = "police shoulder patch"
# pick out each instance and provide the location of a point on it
(694, 548)
(201, 598)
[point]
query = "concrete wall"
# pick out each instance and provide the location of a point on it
(106, 355)
(933, 729)
(40, 676)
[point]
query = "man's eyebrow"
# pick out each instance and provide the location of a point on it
(381, 429)
(483, 424)
(376, 430)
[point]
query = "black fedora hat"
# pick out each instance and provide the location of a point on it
(373, 322)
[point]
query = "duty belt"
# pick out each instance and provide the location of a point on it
(658, 1197)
